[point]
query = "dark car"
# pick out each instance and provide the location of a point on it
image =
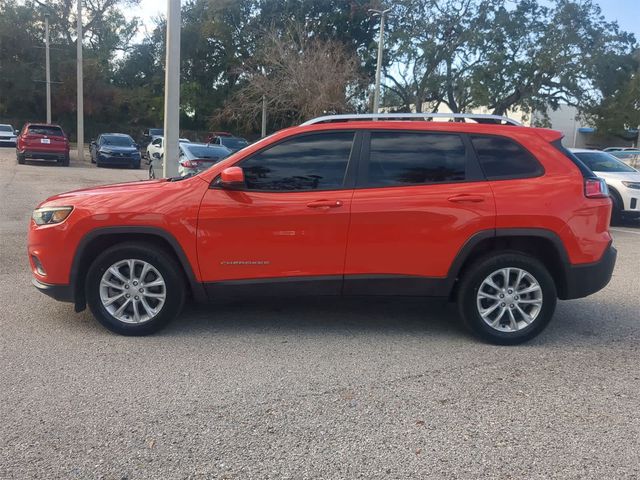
(148, 135)
(42, 141)
(115, 149)
(228, 140)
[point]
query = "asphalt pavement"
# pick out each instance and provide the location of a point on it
(308, 388)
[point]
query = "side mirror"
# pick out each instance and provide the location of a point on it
(17, 132)
(232, 177)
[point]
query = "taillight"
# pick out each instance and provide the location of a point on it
(595, 188)
(189, 164)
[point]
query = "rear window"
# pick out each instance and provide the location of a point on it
(603, 162)
(408, 158)
(202, 151)
(46, 130)
(502, 158)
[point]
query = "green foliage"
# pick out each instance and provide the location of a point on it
(500, 54)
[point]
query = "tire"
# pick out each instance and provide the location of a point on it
(136, 165)
(152, 173)
(65, 162)
(507, 330)
(161, 267)
(20, 158)
(616, 208)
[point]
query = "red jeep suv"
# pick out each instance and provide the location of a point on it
(498, 217)
(42, 141)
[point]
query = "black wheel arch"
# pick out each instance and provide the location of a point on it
(98, 239)
(543, 244)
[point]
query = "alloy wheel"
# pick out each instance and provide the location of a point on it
(509, 299)
(132, 291)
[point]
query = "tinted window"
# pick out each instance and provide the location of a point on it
(203, 151)
(46, 130)
(503, 158)
(156, 131)
(310, 162)
(117, 140)
(232, 142)
(603, 162)
(401, 158)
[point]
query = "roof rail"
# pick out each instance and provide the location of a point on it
(479, 117)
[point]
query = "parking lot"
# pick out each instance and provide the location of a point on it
(307, 388)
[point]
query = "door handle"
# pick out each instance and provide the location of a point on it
(325, 204)
(466, 198)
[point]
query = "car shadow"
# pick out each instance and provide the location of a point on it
(319, 316)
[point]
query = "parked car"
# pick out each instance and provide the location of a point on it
(8, 135)
(630, 157)
(42, 141)
(501, 218)
(193, 158)
(148, 135)
(623, 181)
(157, 147)
(228, 140)
(618, 149)
(114, 149)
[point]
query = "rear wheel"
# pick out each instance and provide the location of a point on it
(616, 208)
(152, 173)
(20, 158)
(65, 161)
(135, 289)
(507, 298)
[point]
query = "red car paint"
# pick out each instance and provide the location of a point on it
(413, 231)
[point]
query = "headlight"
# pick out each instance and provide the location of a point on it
(634, 185)
(105, 151)
(50, 215)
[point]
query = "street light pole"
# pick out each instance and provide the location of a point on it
(172, 91)
(80, 100)
(47, 66)
(376, 94)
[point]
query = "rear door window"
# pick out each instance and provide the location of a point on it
(502, 158)
(46, 130)
(415, 158)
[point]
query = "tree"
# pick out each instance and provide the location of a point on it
(615, 110)
(502, 55)
(299, 75)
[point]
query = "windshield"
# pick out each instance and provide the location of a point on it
(231, 142)
(156, 131)
(6, 128)
(202, 151)
(603, 162)
(118, 141)
(46, 130)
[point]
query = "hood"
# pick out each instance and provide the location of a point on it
(117, 148)
(89, 195)
(620, 176)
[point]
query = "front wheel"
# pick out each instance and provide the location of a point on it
(20, 158)
(507, 298)
(135, 289)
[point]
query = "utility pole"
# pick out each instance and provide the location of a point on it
(376, 93)
(264, 117)
(80, 101)
(172, 90)
(47, 66)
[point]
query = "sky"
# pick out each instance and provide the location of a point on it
(626, 12)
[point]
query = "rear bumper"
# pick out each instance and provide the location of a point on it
(62, 293)
(45, 155)
(583, 280)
